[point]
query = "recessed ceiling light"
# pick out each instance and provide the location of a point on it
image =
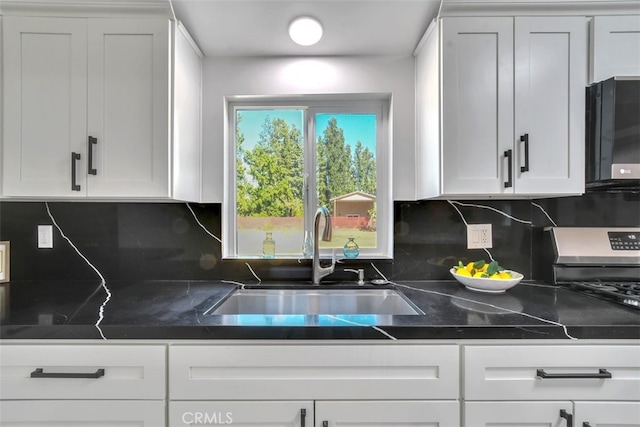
(305, 30)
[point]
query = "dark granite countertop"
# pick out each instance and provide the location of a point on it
(175, 310)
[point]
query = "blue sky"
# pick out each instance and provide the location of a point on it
(357, 127)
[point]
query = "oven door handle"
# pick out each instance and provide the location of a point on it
(602, 374)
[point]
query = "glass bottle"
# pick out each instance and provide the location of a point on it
(351, 249)
(269, 246)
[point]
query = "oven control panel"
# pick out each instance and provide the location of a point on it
(597, 245)
(624, 241)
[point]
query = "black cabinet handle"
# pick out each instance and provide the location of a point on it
(325, 424)
(508, 183)
(90, 169)
(602, 373)
(74, 185)
(39, 373)
(303, 416)
(586, 424)
(567, 416)
(525, 138)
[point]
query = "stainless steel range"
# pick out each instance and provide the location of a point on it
(603, 262)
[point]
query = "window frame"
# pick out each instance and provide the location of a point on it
(379, 104)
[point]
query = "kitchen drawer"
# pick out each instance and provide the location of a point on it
(85, 413)
(388, 413)
(511, 372)
(607, 414)
(517, 414)
(247, 414)
(121, 372)
(227, 372)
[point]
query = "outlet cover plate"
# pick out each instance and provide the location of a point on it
(479, 236)
(45, 236)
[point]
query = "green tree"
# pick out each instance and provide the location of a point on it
(242, 185)
(275, 166)
(334, 168)
(364, 169)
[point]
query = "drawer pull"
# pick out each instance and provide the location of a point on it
(567, 416)
(525, 138)
(325, 424)
(90, 169)
(39, 373)
(509, 183)
(586, 424)
(303, 416)
(74, 185)
(602, 373)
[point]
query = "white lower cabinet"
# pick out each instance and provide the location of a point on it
(88, 385)
(306, 413)
(82, 372)
(242, 413)
(515, 414)
(320, 384)
(551, 385)
(560, 413)
(308, 385)
(607, 414)
(58, 413)
(314, 372)
(397, 413)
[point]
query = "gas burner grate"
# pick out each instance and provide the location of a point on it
(626, 293)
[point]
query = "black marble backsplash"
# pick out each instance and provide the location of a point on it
(163, 241)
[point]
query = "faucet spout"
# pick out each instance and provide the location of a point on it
(318, 270)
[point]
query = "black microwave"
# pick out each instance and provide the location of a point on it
(613, 133)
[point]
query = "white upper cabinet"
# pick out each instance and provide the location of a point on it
(128, 107)
(45, 114)
(477, 103)
(500, 107)
(550, 79)
(615, 44)
(88, 109)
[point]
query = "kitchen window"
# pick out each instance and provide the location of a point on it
(287, 157)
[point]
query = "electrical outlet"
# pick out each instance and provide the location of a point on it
(45, 236)
(479, 236)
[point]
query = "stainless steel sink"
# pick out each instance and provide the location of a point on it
(314, 301)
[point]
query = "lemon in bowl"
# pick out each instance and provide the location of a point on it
(485, 277)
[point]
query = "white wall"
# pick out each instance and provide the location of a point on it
(292, 76)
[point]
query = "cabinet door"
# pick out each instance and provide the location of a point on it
(615, 41)
(93, 413)
(477, 102)
(550, 77)
(45, 103)
(187, 124)
(607, 414)
(396, 413)
(246, 414)
(514, 414)
(128, 107)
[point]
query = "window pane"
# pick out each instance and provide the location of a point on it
(269, 180)
(346, 176)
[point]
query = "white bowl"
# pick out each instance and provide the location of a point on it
(485, 284)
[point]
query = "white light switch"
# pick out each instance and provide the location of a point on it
(45, 236)
(479, 236)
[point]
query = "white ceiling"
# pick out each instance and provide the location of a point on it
(351, 27)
